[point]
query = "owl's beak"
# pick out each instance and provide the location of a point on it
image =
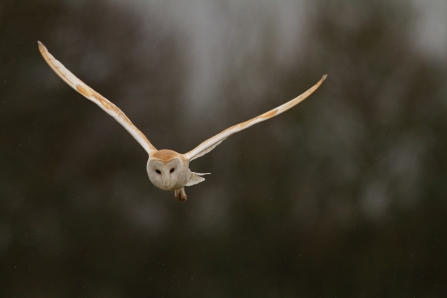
(166, 184)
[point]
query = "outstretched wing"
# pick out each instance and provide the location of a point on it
(211, 143)
(97, 98)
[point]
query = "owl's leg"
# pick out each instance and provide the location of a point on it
(181, 194)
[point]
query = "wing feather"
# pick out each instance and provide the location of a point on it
(97, 98)
(196, 178)
(211, 143)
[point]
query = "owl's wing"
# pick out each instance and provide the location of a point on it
(97, 98)
(211, 143)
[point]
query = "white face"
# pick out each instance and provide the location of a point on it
(172, 175)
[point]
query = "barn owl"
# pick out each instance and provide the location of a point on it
(167, 169)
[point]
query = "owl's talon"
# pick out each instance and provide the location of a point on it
(181, 195)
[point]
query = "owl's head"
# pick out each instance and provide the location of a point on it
(168, 170)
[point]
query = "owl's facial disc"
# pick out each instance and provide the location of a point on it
(168, 173)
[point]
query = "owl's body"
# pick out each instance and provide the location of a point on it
(167, 169)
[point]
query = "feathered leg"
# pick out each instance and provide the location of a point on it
(181, 194)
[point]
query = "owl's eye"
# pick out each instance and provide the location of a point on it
(172, 170)
(158, 172)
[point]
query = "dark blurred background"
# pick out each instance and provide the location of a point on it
(343, 196)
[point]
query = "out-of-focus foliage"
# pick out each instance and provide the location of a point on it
(343, 196)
